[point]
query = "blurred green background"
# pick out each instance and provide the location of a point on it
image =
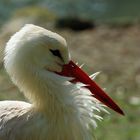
(103, 34)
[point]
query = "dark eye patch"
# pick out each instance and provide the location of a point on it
(56, 53)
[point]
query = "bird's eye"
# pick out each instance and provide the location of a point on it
(56, 53)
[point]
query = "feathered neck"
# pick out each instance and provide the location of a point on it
(62, 102)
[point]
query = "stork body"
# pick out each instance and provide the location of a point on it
(59, 108)
(50, 119)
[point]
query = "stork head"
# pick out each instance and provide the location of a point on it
(38, 48)
(34, 48)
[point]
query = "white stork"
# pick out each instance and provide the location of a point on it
(63, 98)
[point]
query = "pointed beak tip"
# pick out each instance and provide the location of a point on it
(122, 113)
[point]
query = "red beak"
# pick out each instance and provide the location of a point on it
(72, 70)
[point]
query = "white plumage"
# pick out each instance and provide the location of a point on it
(59, 109)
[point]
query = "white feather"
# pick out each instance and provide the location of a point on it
(94, 75)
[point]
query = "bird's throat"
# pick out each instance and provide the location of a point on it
(48, 92)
